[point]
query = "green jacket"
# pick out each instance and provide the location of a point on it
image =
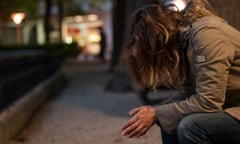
(213, 82)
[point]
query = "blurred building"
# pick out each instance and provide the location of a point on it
(80, 27)
(84, 31)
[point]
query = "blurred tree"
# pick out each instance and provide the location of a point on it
(47, 16)
(118, 17)
(76, 7)
(122, 14)
(96, 4)
(60, 17)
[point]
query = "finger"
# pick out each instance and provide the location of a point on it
(142, 132)
(130, 122)
(128, 132)
(134, 111)
(135, 132)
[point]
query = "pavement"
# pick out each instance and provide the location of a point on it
(84, 112)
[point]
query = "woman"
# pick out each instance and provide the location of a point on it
(183, 44)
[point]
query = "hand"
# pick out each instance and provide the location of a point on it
(142, 120)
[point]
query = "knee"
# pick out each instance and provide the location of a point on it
(188, 129)
(185, 125)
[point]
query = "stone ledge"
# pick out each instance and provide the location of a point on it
(16, 116)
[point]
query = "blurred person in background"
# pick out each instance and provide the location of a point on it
(102, 44)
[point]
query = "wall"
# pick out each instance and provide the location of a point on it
(228, 9)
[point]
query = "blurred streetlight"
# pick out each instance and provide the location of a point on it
(17, 18)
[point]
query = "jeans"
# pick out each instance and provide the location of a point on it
(205, 128)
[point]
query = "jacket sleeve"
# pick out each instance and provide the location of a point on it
(212, 53)
(186, 91)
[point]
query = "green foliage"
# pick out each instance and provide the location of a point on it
(75, 7)
(96, 4)
(69, 50)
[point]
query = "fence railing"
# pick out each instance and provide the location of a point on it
(20, 71)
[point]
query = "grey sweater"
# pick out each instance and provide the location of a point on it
(213, 81)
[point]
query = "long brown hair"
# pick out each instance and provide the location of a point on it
(151, 53)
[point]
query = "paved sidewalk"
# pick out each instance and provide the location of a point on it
(84, 113)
